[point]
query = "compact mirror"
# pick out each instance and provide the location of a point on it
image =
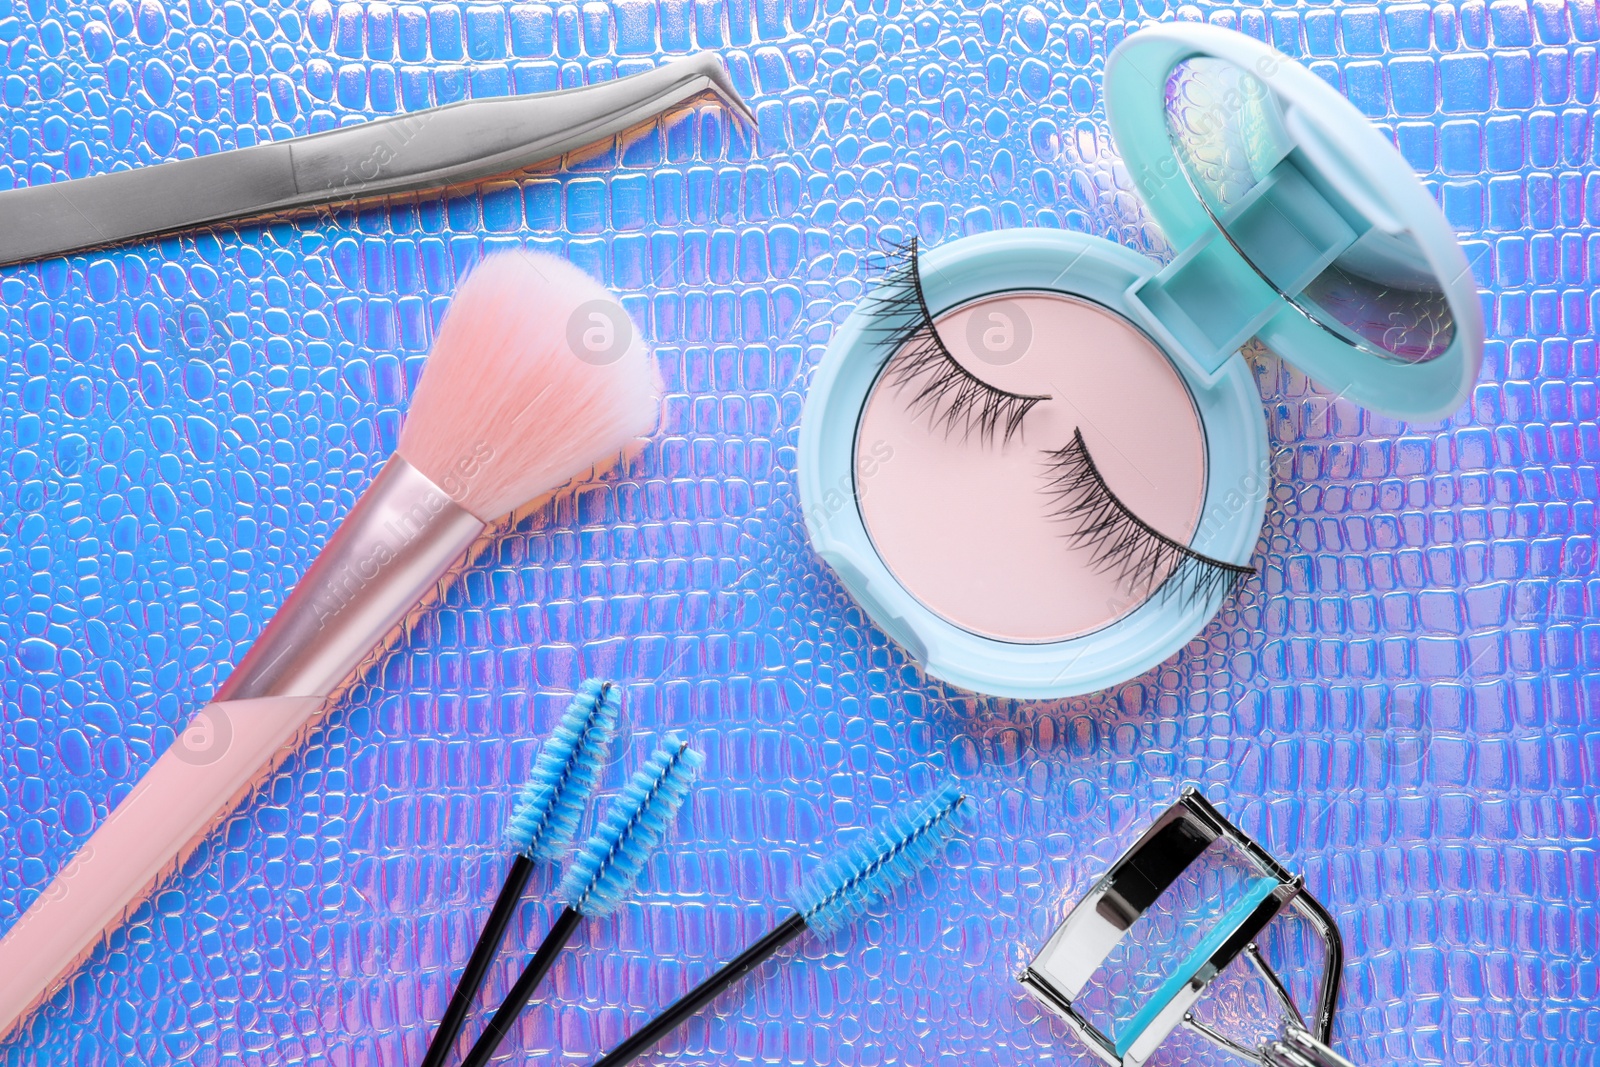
(1311, 226)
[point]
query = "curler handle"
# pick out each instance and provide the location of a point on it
(224, 752)
(1296, 1048)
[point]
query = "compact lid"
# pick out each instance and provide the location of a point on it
(1295, 221)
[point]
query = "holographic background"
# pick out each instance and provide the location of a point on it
(1402, 706)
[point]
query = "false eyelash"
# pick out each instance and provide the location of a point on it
(951, 395)
(1143, 557)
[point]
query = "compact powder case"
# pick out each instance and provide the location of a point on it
(1294, 222)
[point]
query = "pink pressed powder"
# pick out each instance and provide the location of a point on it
(965, 526)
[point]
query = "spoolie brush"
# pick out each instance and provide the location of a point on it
(604, 871)
(828, 900)
(541, 827)
(536, 376)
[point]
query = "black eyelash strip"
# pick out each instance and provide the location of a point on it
(1143, 558)
(953, 396)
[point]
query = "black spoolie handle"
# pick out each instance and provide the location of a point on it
(483, 953)
(704, 993)
(505, 1016)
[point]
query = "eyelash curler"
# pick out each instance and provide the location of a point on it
(1200, 894)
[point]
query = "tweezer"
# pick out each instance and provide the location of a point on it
(437, 148)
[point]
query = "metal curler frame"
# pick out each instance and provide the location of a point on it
(1097, 923)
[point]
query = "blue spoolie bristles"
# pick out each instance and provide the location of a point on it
(605, 868)
(886, 856)
(548, 808)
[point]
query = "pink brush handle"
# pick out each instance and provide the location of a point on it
(391, 551)
(225, 751)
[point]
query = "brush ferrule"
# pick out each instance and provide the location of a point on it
(403, 535)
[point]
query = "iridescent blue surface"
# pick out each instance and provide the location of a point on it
(1402, 706)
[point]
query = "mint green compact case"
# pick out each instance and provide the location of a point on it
(1294, 222)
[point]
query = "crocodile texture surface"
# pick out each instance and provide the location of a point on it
(1402, 706)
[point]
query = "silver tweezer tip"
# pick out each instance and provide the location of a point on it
(710, 66)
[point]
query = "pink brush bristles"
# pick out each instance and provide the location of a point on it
(537, 374)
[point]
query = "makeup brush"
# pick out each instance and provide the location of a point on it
(603, 873)
(828, 900)
(542, 826)
(536, 375)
